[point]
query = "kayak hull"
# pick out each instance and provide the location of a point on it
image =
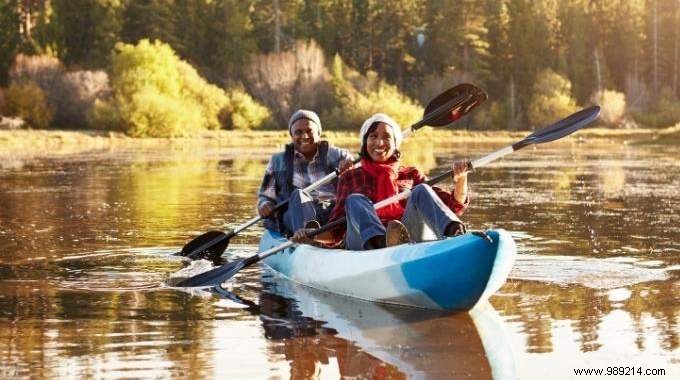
(451, 274)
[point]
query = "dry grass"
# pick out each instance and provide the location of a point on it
(56, 142)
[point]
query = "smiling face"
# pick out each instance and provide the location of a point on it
(305, 136)
(380, 143)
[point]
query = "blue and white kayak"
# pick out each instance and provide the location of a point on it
(450, 274)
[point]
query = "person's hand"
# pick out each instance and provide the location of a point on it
(455, 229)
(266, 209)
(301, 236)
(460, 169)
(345, 165)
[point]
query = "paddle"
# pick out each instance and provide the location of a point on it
(553, 132)
(446, 108)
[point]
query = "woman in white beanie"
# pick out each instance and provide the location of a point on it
(428, 211)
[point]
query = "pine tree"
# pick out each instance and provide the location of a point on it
(150, 19)
(9, 37)
(87, 31)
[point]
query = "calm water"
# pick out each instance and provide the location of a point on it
(86, 243)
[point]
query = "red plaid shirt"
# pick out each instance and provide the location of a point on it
(358, 181)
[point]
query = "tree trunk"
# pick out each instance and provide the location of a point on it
(26, 26)
(655, 54)
(676, 48)
(598, 73)
(277, 27)
(511, 122)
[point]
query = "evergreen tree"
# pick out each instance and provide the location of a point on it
(87, 31)
(496, 23)
(576, 49)
(9, 37)
(528, 34)
(229, 39)
(150, 19)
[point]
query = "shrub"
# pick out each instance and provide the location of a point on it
(289, 80)
(667, 108)
(352, 106)
(70, 94)
(2, 101)
(243, 112)
(495, 116)
(44, 70)
(637, 94)
(28, 101)
(663, 112)
(152, 113)
(612, 104)
(156, 94)
(79, 90)
(210, 98)
(435, 83)
(551, 99)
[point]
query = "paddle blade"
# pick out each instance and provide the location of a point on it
(210, 245)
(453, 104)
(213, 277)
(564, 127)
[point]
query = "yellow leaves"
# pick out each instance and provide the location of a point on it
(552, 99)
(243, 112)
(158, 95)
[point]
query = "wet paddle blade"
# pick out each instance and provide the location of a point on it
(213, 277)
(444, 116)
(564, 127)
(210, 245)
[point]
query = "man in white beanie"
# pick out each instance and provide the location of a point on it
(430, 212)
(304, 161)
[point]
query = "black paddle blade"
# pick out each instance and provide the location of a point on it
(210, 245)
(471, 97)
(564, 127)
(213, 277)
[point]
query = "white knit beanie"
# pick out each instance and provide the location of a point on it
(381, 118)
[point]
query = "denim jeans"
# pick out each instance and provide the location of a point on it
(425, 217)
(302, 208)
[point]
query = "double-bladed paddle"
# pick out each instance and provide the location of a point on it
(446, 108)
(562, 128)
(553, 132)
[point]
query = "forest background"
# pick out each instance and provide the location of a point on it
(167, 68)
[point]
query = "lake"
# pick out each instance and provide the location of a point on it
(86, 243)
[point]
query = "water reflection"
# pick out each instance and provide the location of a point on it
(85, 243)
(324, 334)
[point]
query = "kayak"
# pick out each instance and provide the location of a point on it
(450, 274)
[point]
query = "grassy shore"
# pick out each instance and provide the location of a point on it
(58, 142)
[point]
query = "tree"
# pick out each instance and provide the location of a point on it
(528, 33)
(149, 19)
(9, 37)
(87, 31)
(229, 41)
(575, 56)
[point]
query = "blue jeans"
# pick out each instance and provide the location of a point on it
(302, 208)
(426, 218)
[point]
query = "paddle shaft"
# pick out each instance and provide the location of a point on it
(553, 132)
(576, 121)
(431, 116)
(458, 100)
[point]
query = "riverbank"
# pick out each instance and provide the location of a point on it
(41, 143)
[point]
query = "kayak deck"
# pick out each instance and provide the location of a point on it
(450, 274)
